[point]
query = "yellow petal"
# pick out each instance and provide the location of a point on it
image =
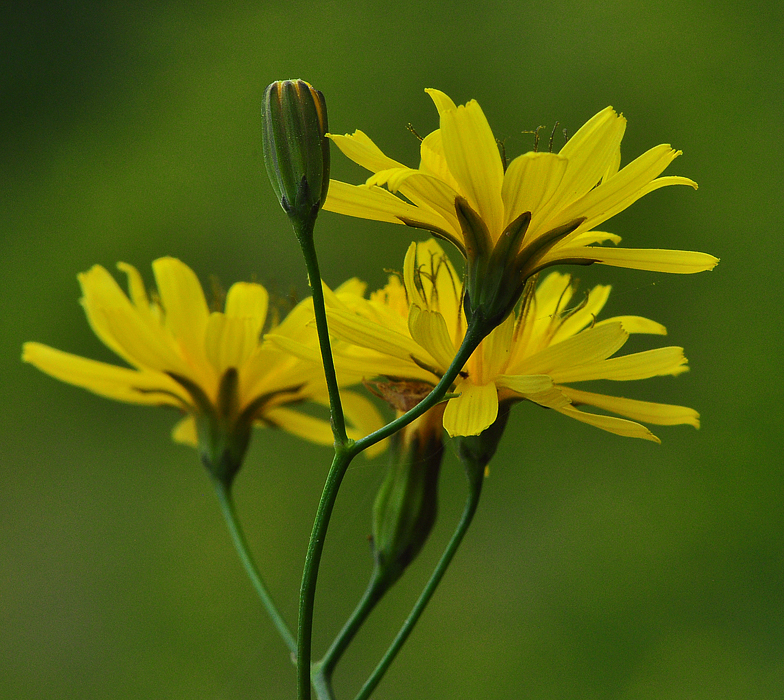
(585, 314)
(441, 100)
(639, 365)
(530, 181)
(229, 341)
(425, 191)
(591, 151)
(363, 418)
(525, 383)
(136, 288)
(101, 291)
(118, 383)
(185, 307)
(146, 346)
(355, 329)
(623, 189)
(474, 161)
(652, 259)
(645, 411)
(428, 328)
(572, 354)
(618, 426)
(185, 432)
(378, 204)
(590, 237)
(248, 300)
(360, 148)
(433, 161)
(637, 324)
(473, 411)
(307, 427)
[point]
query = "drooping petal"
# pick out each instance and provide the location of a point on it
(473, 411)
(645, 411)
(618, 426)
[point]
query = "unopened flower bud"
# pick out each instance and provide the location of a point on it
(406, 505)
(296, 151)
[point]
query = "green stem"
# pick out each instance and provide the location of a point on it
(344, 453)
(472, 501)
(474, 335)
(307, 591)
(304, 232)
(375, 590)
(229, 513)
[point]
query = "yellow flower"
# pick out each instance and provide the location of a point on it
(410, 331)
(510, 222)
(213, 366)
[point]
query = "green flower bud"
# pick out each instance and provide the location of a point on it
(406, 504)
(296, 151)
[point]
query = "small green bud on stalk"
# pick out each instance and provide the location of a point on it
(296, 151)
(406, 505)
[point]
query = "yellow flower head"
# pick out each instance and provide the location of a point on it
(410, 331)
(510, 222)
(213, 366)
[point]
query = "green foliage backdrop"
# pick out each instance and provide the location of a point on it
(597, 567)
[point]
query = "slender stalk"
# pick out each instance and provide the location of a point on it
(472, 501)
(304, 232)
(307, 591)
(344, 453)
(241, 545)
(373, 593)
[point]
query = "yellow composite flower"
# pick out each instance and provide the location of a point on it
(212, 366)
(409, 331)
(540, 210)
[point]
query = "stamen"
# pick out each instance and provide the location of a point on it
(552, 136)
(411, 128)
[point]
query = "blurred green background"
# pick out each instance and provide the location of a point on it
(597, 567)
